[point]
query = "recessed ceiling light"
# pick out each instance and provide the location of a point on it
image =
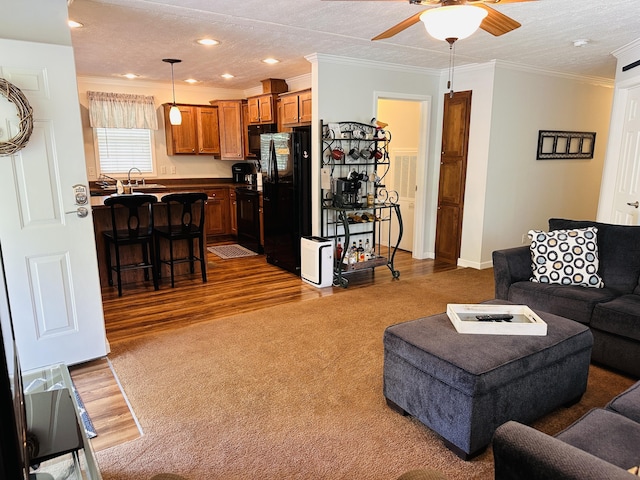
(208, 41)
(583, 42)
(74, 24)
(226, 75)
(270, 61)
(191, 80)
(130, 75)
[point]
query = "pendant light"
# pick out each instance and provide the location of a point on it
(175, 117)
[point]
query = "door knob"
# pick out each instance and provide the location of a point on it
(82, 212)
(634, 204)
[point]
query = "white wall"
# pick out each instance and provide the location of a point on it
(345, 89)
(508, 191)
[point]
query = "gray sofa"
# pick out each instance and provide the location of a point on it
(611, 312)
(603, 444)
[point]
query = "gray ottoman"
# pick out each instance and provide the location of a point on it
(464, 386)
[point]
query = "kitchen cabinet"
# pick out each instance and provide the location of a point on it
(198, 133)
(231, 125)
(262, 109)
(217, 212)
(233, 212)
(296, 108)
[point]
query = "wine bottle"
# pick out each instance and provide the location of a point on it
(339, 251)
(360, 251)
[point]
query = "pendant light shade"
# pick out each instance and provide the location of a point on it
(453, 22)
(175, 117)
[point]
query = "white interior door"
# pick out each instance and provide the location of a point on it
(49, 249)
(626, 206)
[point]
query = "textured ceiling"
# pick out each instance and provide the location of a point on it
(122, 36)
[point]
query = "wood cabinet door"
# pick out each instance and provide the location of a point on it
(453, 173)
(208, 131)
(304, 106)
(253, 110)
(231, 133)
(181, 139)
(289, 109)
(266, 109)
(217, 212)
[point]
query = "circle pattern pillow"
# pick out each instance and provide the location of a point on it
(566, 257)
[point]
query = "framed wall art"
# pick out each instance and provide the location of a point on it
(556, 145)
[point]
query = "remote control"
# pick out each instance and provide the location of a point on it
(495, 317)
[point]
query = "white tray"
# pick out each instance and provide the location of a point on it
(524, 322)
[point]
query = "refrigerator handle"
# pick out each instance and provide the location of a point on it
(273, 162)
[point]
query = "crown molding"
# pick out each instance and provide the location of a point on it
(592, 80)
(349, 61)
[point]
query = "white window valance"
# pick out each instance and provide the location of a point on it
(121, 110)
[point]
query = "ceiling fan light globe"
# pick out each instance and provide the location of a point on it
(175, 117)
(455, 21)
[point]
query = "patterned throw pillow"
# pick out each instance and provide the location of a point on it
(565, 257)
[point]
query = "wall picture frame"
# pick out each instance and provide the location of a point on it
(557, 145)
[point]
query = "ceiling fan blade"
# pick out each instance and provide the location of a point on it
(399, 27)
(496, 23)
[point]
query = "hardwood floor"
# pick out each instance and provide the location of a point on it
(234, 286)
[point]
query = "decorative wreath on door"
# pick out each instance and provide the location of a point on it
(25, 113)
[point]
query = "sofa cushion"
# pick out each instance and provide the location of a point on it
(617, 437)
(627, 403)
(576, 303)
(620, 316)
(618, 251)
(565, 257)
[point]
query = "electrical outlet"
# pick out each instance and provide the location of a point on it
(173, 169)
(163, 169)
(91, 172)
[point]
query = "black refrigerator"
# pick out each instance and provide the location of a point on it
(285, 160)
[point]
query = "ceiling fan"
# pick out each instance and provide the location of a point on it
(494, 22)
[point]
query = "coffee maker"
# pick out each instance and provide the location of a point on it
(240, 172)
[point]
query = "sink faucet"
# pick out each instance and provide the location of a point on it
(129, 176)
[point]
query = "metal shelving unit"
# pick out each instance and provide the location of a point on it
(355, 201)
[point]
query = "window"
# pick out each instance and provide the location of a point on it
(120, 149)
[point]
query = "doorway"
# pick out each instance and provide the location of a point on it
(407, 119)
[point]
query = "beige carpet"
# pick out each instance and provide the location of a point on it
(295, 392)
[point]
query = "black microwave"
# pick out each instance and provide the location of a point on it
(253, 136)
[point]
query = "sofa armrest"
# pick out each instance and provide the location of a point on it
(523, 453)
(510, 266)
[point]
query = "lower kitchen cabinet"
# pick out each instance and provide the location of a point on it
(217, 212)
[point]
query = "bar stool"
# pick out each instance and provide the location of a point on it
(131, 225)
(189, 227)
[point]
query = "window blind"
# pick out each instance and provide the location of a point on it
(120, 149)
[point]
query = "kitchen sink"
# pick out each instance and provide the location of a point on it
(146, 186)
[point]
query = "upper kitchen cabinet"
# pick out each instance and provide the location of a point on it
(295, 108)
(262, 109)
(230, 121)
(197, 134)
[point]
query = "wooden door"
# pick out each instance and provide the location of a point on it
(217, 212)
(266, 109)
(208, 131)
(453, 173)
(304, 106)
(184, 138)
(253, 110)
(231, 134)
(289, 109)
